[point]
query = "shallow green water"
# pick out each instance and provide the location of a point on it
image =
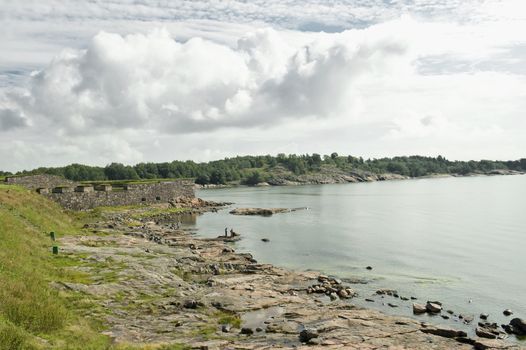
(447, 239)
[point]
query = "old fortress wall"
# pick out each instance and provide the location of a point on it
(40, 181)
(75, 196)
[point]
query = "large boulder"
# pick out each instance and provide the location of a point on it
(518, 326)
(419, 309)
(433, 307)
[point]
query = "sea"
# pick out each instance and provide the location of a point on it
(457, 240)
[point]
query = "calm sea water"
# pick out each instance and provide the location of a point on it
(458, 240)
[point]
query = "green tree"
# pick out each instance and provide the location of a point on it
(202, 179)
(253, 178)
(217, 177)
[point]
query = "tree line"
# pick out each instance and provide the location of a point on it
(254, 169)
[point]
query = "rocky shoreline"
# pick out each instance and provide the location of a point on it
(283, 177)
(157, 283)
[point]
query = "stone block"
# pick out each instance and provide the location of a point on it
(83, 188)
(103, 187)
(62, 190)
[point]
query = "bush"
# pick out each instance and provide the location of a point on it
(254, 178)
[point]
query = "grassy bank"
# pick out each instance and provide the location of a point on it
(33, 315)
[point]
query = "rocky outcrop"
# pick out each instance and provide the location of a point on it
(490, 331)
(161, 285)
(327, 175)
(332, 287)
(443, 331)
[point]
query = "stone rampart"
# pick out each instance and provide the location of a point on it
(74, 196)
(40, 181)
(131, 194)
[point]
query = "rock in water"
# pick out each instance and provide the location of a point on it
(519, 326)
(507, 312)
(484, 316)
(262, 211)
(467, 318)
(323, 278)
(390, 292)
(433, 307)
(308, 334)
(419, 309)
(489, 330)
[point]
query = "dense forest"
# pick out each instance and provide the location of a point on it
(254, 169)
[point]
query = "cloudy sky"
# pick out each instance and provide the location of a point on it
(150, 80)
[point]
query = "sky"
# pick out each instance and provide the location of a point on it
(101, 81)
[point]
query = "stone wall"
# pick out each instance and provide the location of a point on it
(40, 181)
(131, 194)
(74, 196)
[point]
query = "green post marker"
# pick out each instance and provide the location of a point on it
(52, 235)
(55, 249)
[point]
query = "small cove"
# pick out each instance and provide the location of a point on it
(457, 240)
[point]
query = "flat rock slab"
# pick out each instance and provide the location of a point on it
(144, 276)
(262, 211)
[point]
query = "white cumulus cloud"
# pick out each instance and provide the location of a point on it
(154, 82)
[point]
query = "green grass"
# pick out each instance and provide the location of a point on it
(224, 317)
(33, 315)
(156, 212)
(210, 330)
